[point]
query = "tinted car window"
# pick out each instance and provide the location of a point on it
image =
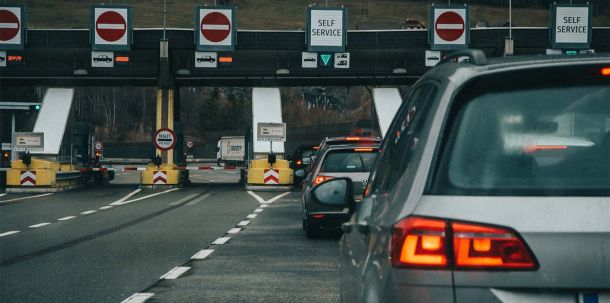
(348, 161)
(403, 138)
(538, 141)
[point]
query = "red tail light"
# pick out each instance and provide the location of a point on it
(606, 71)
(477, 246)
(424, 242)
(419, 242)
(299, 162)
(319, 179)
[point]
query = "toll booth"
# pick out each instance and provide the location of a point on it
(67, 148)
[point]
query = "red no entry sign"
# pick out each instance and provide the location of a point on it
(9, 25)
(449, 26)
(215, 26)
(111, 26)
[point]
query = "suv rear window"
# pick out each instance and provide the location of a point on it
(548, 139)
(346, 161)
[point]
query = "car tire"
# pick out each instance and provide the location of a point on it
(310, 230)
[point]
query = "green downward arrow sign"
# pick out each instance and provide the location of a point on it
(325, 58)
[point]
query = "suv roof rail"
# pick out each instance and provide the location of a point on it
(475, 56)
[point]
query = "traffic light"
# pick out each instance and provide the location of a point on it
(98, 155)
(5, 158)
(35, 107)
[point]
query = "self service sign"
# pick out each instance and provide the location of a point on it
(570, 26)
(326, 29)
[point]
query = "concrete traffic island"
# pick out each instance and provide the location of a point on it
(263, 176)
(42, 176)
(165, 176)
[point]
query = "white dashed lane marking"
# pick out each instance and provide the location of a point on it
(202, 254)
(258, 210)
(8, 233)
(234, 230)
(25, 198)
(139, 297)
(265, 205)
(243, 223)
(106, 207)
(175, 273)
(88, 212)
(251, 216)
(66, 218)
(221, 240)
(39, 225)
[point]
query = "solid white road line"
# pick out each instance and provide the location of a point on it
(258, 210)
(277, 197)
(257, 197)
(234, 230)
(25, 198)
(243, 223)
(145, 197)
(251, 216)
(198, 200)
(107, 207)
(118, 202)
(191, 196)
(175, 273)
(39, 225)
(202, 254)
(8, 233)
(88, 212)
(139, 297)
(66, 218)
(221, 240)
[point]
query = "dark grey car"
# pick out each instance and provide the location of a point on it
(493, 185)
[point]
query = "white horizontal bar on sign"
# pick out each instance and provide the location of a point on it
(9, 25)
(223, 27)
(110, 26)
(175, 273)
(449, 26)
(202, 254)
(139, 298)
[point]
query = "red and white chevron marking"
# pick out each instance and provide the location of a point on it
(159, 177)
(271, 176)
(28, 178)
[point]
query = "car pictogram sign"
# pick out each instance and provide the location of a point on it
(12, 30)
(111, 27)
(215, 28)
(450, 28)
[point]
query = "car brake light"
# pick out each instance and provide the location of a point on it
(352, 139)
(319, 179)
(316, 147)
(299, 162)
(425, 242)
(606, 71)
(363, 149)
(477, 246)
(419, 242)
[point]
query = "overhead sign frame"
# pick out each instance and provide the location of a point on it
(20, 38)
(111, 45)
(28, 141)
(314, 45)
(274, 132)
(206, 45)
(554, 25)
(432, 16)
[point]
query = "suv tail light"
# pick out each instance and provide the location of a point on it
(319, 179)
(438, 243)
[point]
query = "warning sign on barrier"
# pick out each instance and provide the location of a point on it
(159, 177)
(27, 178)
(271, 176)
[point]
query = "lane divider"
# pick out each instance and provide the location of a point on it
(202, 254)
(25, 198)
(131, 194)
(221, 240)
(251, 216)
(175, 273)
(8, 233)
(258, 210)
(234, 230)
(145, 197)
(243, 223)
(66, 218)
(88, 212)
(39, 225)
(139, 297)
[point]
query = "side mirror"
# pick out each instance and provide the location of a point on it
(300, 173)
(336, 193)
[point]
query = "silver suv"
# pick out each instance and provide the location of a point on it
(493, 185)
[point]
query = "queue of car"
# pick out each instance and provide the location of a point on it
(491, 185)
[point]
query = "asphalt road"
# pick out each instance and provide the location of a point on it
(105, 244)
